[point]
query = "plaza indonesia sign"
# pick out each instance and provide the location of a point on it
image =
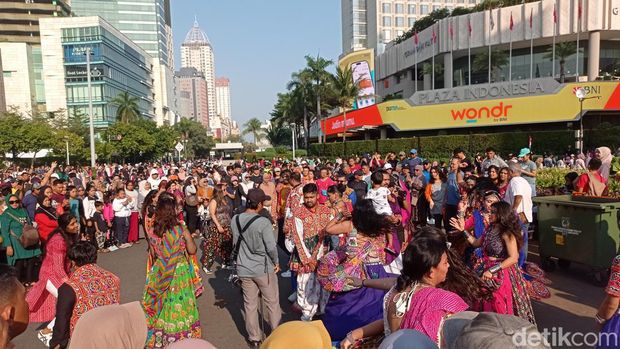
(521, 88)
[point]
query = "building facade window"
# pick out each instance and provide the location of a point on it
(411, 9)
(387, 35)
(387, 7)
(359, 29)
(411, 21)
(359, 4)
(399, 8)
(387, 21)
(436, 7)
(423, 9)
(400, 21)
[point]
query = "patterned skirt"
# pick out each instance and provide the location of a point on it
(216, 244)
(511, 294)
(179, 317)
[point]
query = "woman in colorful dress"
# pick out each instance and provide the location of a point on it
(170, 294)
(367, 230)
(12, 223)
(608, 315)
(504, 180)
(500, 244)
(218, 242)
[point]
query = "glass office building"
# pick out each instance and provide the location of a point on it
(142, 21)
(117, 66)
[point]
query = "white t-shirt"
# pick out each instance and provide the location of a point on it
(379, 199)
(519, 186)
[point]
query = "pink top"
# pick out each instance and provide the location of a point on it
(108, 213)
(428, 308)
(323, 184)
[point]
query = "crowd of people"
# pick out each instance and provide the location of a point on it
(379, 249)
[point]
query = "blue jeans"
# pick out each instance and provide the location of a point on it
(523, 253)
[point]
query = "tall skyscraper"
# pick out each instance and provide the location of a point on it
(192, 89)
(142, 21)
(148, 24)
(374, 23)
(19, 19)
(222, 92)
(196, 52)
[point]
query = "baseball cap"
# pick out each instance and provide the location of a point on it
(402, 153)
(524, 152)
(387, 166)
(154, 171)
(36, 185)
(469, 330)
(413, 151)
(407, 338)
(257, 196)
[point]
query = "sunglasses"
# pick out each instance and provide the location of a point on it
(11, 202)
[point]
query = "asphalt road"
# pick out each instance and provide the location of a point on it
(572, 305)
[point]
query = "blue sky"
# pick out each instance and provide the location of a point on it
(258, 44)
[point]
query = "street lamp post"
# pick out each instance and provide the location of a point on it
(293, 136)
(90, 110)
(67, 144)
(581, 93)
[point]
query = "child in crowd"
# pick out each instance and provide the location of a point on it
(101, 226)
(379, 194)
(108, 215)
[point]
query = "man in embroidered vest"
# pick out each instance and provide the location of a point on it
(88, 287)
(306, 229)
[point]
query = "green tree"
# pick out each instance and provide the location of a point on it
(12, 125)
(563, 50)
(278, 134)
(299, 101)
(199, 144)
(253, 127)
(316, 70)
(233, 139)
(346, 90)
(130, 141)
(499, 59)
(127, 107)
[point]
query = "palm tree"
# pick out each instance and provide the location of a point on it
(253, 126)
(498, 60)
(316, 69)
(563, 50)
(278, 134)
(127, 105)
(301, 90)
(346, 90)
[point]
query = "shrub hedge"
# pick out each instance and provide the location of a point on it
(440, 147)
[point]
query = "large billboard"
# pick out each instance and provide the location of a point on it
(446, 109)
(362, 65)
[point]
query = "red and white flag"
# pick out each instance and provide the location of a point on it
(415, 38)
(579, 10)
(531, 17)
(450, 30)
(469, 25)
(434, 35)
(555, 14)
(512, 24)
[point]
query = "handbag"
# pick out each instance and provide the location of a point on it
(30, 234)
(191, 200)
(334, 267)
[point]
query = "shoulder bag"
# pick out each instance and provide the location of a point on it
(30, 234)
(234, 277)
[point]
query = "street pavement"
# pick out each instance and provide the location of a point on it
(572, 305)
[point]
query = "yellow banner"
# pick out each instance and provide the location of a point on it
(549, 108)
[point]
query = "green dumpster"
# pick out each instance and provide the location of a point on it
(578, 229)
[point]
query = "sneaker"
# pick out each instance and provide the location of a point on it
(286, 274)
(293, 297)
(45, 337)
(112, 248)
(207, 270)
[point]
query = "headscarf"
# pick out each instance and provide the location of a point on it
(118, 326)
(12, 213)
(47, 210)
(299, 335)
(606, 157)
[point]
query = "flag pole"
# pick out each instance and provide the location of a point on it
(531, 45)
(415, 57)
(555, 25)
(469, 47)
(510, 51)
(578, 32)
(433, 61)
(451, 52)
(491, 25)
